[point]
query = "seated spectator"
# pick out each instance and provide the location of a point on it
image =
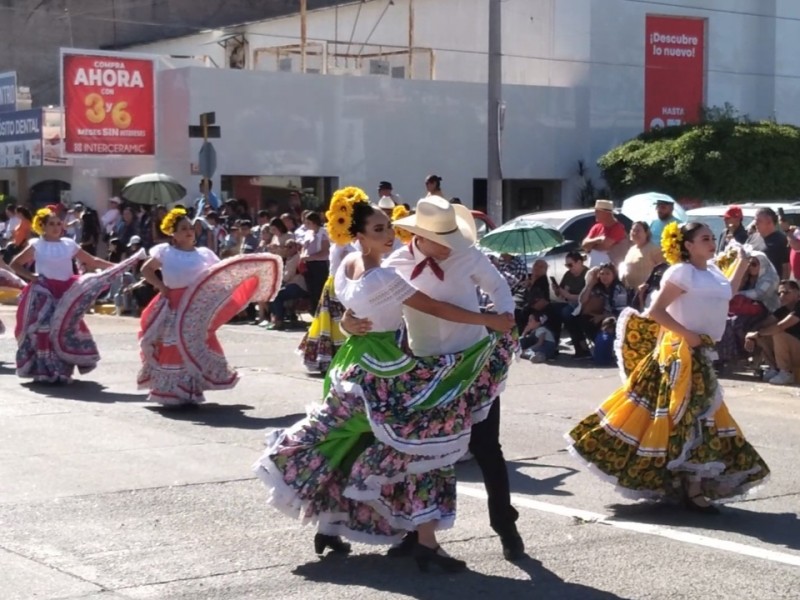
(642, 257)
(249, 243)
(294, 286)
(644, 295)
(779, 337)
(534, 285)
(604, 296)
(754, 301)
(572, 283)
(279, 236)
(513, 268)
(218, 234)
(537, 342)
(603, 351)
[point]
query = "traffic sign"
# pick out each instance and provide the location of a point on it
(196, 131)
(207, 160)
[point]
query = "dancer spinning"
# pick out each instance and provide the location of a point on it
(198, 293)
(667, 432)
(324, 337)
(51, 335)
(375, 460)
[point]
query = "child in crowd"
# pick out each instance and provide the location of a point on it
(603, 353)
(537, 342)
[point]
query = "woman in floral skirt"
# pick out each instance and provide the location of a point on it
(375, 460)
(667, 433)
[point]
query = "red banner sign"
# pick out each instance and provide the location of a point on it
(109, 104)
(674, 70)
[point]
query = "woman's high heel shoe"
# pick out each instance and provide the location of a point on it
(425, 556)
(334, 542)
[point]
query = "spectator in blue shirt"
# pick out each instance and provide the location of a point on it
(664, 209)
(204, 200)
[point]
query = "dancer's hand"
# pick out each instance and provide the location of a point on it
(163, 289)
(502, 323)
(353, 325)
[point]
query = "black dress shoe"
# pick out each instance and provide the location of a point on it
(426, 556)
(334, 542)
(405, 547)
(513, 546)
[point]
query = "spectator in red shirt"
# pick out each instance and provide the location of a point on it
(607, 240)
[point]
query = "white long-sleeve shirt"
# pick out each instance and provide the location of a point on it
(463, 271)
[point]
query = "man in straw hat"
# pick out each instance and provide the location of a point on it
(443, 262)
(607, 239)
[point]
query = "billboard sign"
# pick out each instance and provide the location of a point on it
(21, 139)
(674, 70)
(8, 91)
(109, 103)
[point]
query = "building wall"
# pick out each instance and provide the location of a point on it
(363, 130)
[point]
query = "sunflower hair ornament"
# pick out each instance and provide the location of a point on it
(340, 214)
(401, 212)
(170, 222)
(671, 241)
(40, 218)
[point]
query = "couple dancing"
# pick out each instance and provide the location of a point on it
(375, 462)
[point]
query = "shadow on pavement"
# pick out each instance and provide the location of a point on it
(402, 577)
(782, 529)
(211, 414)
(522, 483)
(7, 368)
(83, 390)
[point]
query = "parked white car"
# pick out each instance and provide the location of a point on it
(574, 225)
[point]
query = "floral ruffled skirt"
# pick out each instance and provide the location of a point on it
(376, 458)
(667, 423)
(324, 337)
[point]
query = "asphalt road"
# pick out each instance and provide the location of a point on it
(106, 496)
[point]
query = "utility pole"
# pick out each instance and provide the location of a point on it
(494, 174)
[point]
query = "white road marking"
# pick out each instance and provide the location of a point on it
(645, 528)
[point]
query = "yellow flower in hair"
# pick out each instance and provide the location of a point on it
(671, 241)
(400, 212)
(39, 219)
(170, 221)
(340, 214)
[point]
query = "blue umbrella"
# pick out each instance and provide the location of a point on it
(642, 207)
(522, 237)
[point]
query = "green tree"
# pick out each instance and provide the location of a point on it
(726, 157)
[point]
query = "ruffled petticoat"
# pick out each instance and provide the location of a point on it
(52, 338)
(668, 423)
(376, 458)
(181, 355)
(324, 336)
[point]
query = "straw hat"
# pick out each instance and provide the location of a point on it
(604, 205)
(437, 220)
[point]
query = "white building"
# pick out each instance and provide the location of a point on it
(347, 103)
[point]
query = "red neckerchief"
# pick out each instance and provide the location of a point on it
(428, 262)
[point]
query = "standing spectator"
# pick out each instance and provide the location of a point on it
(126, 227)
(217, 235)
(296, 205)
(771, 240)
(72, 225)
(642, 256)
(22, 230)
(91, 229)
(111, 217)
(664, 211)
(734, 229)
(249, 242)
(11, 223)
(206, 202)
(316, 246)
(156, 235)
(607, 240)
(385, 190)
(779, 339)
(433, 186)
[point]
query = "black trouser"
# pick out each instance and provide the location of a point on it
(316, 275)
(485, 446)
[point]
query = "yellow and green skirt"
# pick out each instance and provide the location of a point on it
(668, 423)
(324, 337)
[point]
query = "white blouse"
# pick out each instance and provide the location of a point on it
(179, 268)
(54, 259)
(377, 296)
(703, 309)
